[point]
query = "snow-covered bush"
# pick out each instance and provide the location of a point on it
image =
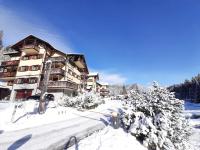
(155, 117)
(87, 100)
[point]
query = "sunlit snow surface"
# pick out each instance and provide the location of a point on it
(109, 139)
(106, 139)
(192, 110)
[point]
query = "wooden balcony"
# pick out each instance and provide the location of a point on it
(80, 64)
(30, 49)
(10, 63)
(7, 74)
(104, 90)
(10, 51)
(57, 59)
(57, 71)
(61, 85)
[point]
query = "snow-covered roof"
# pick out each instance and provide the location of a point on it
(94, 74)
(104, 83)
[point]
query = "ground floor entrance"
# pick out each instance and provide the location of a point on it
(4, 94)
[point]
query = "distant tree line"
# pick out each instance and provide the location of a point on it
(189, 90)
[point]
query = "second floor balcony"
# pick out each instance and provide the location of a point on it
(10, 51)
(30, 49)
(7, 74)
(61, 85)
(104, 90)
(10, 63)
(57, 59)
(57, 71)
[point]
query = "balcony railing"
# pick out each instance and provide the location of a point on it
(57, 59)
(61, 85)
(7, 74)
(10, 63)
(57, 71)
(31, 46)
(8, 51)
(104, 90)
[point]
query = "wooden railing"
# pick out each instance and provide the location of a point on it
(10, 63)
(61, 85)
(57, 59)
(7, 51)
(104, 90)
(57, 71)
(7, 74)
(30, 46)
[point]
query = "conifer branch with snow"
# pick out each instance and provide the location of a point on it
(155, 118)
(86, 100)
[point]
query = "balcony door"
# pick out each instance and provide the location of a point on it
(23, 94)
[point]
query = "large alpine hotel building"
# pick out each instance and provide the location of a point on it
(22, 73)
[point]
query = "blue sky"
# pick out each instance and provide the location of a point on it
(126, 41)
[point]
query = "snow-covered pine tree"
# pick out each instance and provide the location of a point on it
(86, 100)
(157, 119)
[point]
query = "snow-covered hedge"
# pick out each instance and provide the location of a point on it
(155, 118)
(87, 100)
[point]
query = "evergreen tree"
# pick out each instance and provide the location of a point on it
(157, 119)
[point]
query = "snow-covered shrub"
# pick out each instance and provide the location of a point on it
(155, 117)
(85, 100)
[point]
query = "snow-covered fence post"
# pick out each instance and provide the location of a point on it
(115, 120)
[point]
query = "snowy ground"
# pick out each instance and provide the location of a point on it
(109, 139)
(193, 112)
(27, 117)
(24, 119)
(62, 119)
(66, 121)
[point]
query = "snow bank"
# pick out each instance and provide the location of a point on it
(26, 115)
(109, 139)
(6, 115)
(87, 100)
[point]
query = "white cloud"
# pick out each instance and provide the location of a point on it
(16, 27)
(110, 77)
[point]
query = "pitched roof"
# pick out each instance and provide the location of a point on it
(38, 39)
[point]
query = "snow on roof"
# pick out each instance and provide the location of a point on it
(104, 83)
(93, 74)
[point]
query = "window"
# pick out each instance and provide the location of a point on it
(25, 80)
(25, 58)
(90, 80)
(35, 68)
(73, 74)
(23, 68)
(83, 77)
(70, 71)
(34, 57)
(1, 69)
(32, 80)
(39, 56)
(10, 83)
(5, 70)
(19, 81)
